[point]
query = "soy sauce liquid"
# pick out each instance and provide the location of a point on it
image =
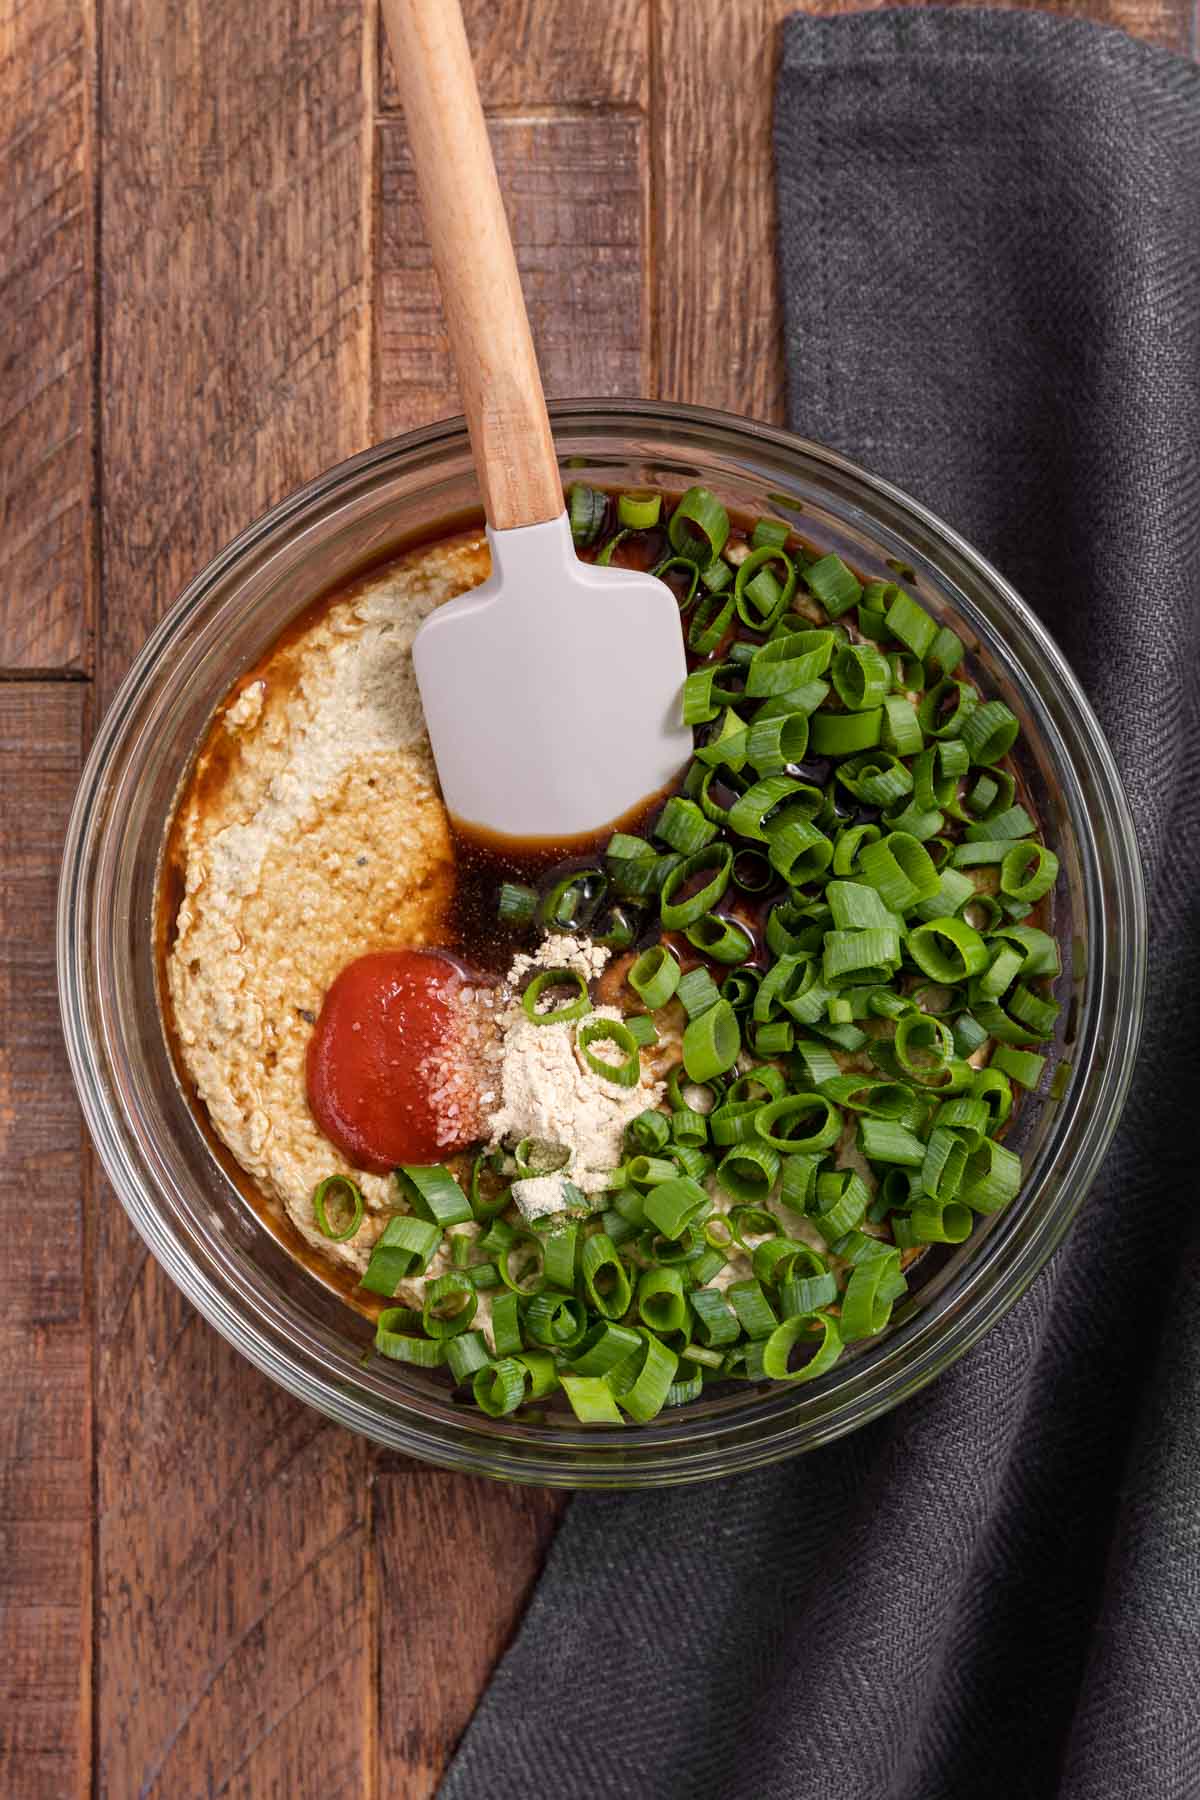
(485, 860)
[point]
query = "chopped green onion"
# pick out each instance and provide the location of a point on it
(1024, 1066)
(547, 983)
(861, 677)
(711, 1042)
(833, 584)
(559, 1254)
(901, 729)
(754, 1311)
(605, 1277)
(602, 1348)
(909, 622)
(591, 1399)
(990, 732)
(654, 977)
(721, 939)
(683, 826)
(888, 1141)
(1027, 871)
(556, 1321)
(402, 1250)
(676, 914)
(788, 663)
(709, 623)
(769, 531)
(499, 1387)
(761, 599)
(992, 1179)
(947, 950)
(349, 1213)
(788, 1124)
(697, 993)
(698, 526)
(587, 509)
(395, 1336)
(626, 1073)
(673, 1205)
(466, 1354)
(842, 734)
(639, 511)
(643, 1382)
(660, 1299)
(506, 1324)
(450, 1304)
(796, 1332)
(433, 1193)
(865, 1307)
(841, 1200)
(748, 1171)
(946, 707)
(685, 566)
(516, 904)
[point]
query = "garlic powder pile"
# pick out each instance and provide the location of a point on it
(547, 1091)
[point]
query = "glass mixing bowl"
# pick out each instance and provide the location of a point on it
(188, 1209)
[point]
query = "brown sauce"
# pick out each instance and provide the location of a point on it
(483, 860)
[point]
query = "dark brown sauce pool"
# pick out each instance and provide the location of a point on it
(483, 860)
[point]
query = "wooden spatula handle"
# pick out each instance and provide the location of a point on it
(472, 252)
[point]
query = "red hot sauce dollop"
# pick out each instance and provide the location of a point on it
(377, 1060)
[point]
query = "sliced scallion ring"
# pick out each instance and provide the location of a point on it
(546, 982)
(698, 527)
(346, 1200)
(654, 977)
(627, 1072)
(639, 510)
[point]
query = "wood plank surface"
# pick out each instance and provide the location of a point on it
(537, 53)
(234, 1627)
(213, 283)
(234, 171)
(456, 1558)
(46, 378)
(45, 1424)
(574, 186)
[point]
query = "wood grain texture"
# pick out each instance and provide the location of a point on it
(534, 53)
(456, 1560)
(574, 186)
(717, 321)
(234, 1621)
(466, 225)
(235, 302)
(45, 1449)
(278, 1610)
(46, 380)
(235, 1636)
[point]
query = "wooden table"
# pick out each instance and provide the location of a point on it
(213, 284)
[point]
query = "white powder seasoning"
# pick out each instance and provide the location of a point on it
(540, 1195)
(561, 952)
(547, 1091)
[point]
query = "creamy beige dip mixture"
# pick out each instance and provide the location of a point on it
(311, 833)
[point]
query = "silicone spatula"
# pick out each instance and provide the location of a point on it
(551, 692)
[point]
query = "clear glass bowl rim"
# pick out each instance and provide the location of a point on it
(794, 1420)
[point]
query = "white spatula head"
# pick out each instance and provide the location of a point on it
(552, 692)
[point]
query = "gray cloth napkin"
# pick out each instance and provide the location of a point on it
(990, 244)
